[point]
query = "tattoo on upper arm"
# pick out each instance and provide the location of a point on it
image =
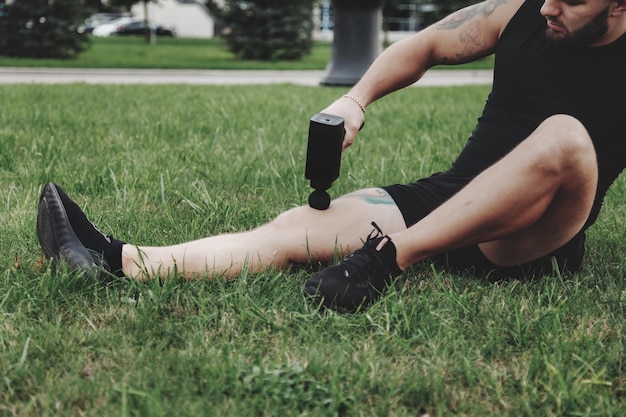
(459, 17)
(473, 44)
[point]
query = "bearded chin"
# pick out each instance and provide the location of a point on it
(595, 29)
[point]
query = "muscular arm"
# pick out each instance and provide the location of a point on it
(463, 36)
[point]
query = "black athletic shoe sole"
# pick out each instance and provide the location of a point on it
(58, 240)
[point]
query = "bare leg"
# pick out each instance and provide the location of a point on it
(296, 236)
(523, 207)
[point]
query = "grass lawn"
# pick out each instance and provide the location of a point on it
(180, 53)
(165, 164)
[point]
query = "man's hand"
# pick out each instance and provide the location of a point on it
(352, 114)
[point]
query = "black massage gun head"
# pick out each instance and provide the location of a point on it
(319, 199)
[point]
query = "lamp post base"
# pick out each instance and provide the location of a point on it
(356, 43)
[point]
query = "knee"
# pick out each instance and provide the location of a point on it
(563, 143)
(287, 220)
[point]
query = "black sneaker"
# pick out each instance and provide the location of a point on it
(360, 278)
(89, 235)
(58, 240)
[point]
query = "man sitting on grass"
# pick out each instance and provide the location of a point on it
(528, 183)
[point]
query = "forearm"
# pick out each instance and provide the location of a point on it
(402, 64)
(399, 66)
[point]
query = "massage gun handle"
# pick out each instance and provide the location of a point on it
(323, 159)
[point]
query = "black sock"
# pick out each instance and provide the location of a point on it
(91, 237)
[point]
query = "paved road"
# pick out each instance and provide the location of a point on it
(123, 76)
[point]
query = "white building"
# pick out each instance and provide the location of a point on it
(189, 18)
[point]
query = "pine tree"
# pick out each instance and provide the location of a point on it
(267, 29)
(43, 29)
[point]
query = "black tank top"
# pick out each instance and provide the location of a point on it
(534, 80)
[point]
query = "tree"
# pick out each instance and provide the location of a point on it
(43, 29)
(266, 29)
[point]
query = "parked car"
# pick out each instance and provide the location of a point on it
(106, 29)
(137, 27)
(98, 19)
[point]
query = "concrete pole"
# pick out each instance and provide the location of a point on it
(356, 41)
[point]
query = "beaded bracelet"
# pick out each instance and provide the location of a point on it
(356, 100)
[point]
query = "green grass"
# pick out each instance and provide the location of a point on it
(164, 164)
(179, 53)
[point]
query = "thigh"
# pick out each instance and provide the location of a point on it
(306, 234)
(418, 199)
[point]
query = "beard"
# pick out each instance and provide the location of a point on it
(586, 35)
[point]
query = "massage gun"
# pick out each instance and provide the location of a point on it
(323, 156)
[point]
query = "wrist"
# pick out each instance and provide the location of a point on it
(355, 100)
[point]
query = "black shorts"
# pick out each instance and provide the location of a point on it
(418, 199)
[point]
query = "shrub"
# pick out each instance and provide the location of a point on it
(267, 29)
(43, 28)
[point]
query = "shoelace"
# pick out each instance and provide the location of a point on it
(377, 231)
(359, 263)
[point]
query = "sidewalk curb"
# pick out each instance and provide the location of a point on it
(11, 75)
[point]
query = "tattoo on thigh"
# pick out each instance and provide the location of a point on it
(376, 196)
